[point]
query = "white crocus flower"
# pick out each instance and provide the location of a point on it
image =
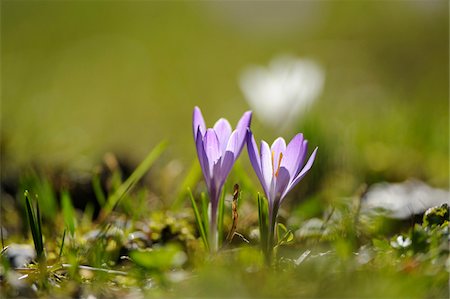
(279, 93)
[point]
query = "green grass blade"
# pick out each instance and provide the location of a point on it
(96, 186)
(31, 220)
(263, 223)
(62, 243)
(129, 183)
(204, 214)
(199, 221)
(39, 226)
(68, 212)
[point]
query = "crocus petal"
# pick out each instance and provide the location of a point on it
(303, 154)
(266, 167)
(302, 173)
(241, 129)
(202, 158)
(278, 147)
(230, 155)
(233, 144)
(216, 170)
(227, 164)
(255, 159)
(292, 155)
(223, 131)
(282, 182)
(212, 149)
(198, 122)
(244, 122)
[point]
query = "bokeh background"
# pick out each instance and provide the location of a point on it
(81, 78)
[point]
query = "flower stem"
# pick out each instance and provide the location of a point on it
(273, 212)
(213, 240)
(213, 236)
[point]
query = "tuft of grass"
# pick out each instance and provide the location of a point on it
(201, 223)
(34, 221)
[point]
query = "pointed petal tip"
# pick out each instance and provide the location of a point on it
(245, 121)
(298, 135)
(279, 142)
(197, 111)
(313, 155)
(198, 122)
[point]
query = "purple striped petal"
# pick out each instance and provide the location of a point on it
(233, 144)
(302, 173)
(223, 131)
(244, 122)
(230, 155)
(303, 154)
(202, 158)
(282, 182)
(241, 129)
(292, 155)
(227, 164)
(212, 149)
(216, 170)
(278, 147)
(198, 122)
(255, 159)
(266, 167)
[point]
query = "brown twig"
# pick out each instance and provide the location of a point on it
(234, 214)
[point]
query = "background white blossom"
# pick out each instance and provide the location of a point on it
(281, 92)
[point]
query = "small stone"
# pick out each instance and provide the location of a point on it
(19, 255)
(403, 200)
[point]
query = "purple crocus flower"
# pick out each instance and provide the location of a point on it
(279, 168)
(217, 150)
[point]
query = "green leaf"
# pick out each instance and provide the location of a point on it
(281, 229)
(199, 221)
(284, 235)
(68, 212)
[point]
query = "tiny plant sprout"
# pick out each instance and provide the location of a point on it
(279, 168)
(217, 150)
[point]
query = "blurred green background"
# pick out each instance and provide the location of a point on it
(80, 78)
